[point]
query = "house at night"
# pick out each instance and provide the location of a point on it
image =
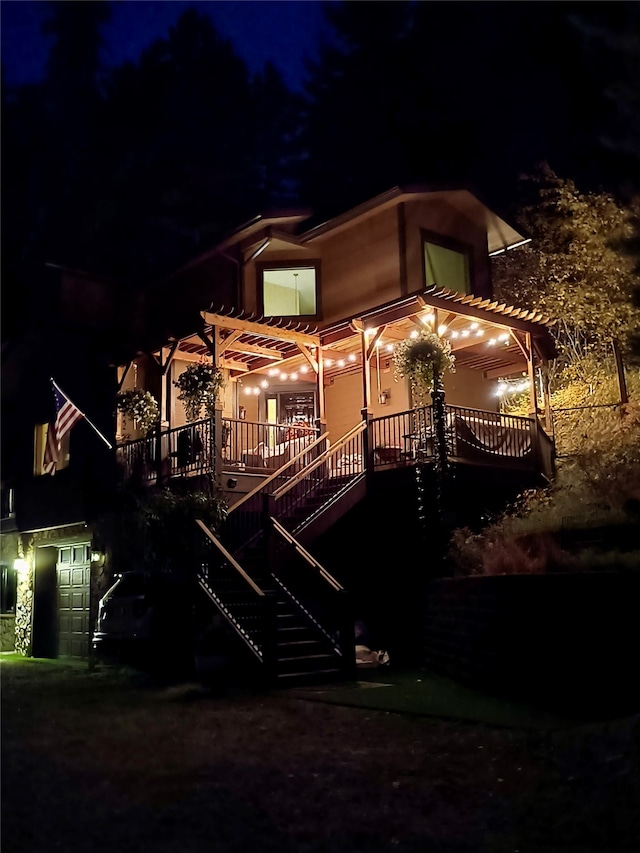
(316, 445)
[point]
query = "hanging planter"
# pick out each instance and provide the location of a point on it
(199, 387)
(423, 361)
(141, 406)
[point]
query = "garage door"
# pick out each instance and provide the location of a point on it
(73, 601)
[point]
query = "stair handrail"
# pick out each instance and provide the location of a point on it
(324, 574)
(321, 460)
(263, 486)
(230, 559)
(343, 643)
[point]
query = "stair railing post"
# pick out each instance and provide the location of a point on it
(367, 443)
(269, 638)
(346, 635)
(215, 452)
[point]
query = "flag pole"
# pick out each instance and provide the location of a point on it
(91, 424)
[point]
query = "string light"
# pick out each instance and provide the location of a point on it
(516, 386)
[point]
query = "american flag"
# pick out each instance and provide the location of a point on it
(66, 416)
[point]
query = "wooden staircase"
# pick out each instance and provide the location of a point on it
(285, 607)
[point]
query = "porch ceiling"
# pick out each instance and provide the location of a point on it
(483, 335)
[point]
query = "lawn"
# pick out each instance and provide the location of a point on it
(110, 761)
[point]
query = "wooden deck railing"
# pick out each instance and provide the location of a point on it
(473, 436)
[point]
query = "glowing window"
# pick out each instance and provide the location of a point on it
(289, 291)
(446, 267)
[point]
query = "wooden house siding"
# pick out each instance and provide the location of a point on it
(360, 266)
(466, 387)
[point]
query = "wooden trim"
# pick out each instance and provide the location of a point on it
(261, 329)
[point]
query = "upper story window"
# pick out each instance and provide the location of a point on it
(446, 264)
(289, 291)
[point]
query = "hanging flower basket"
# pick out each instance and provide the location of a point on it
(141, 406)
(423, 361)
(199, 386)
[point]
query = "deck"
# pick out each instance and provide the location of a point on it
(470, 436)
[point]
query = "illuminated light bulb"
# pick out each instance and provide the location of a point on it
(328, 362)
(428, 318)
(502, 387)
(491, 342)
(479, 333)
(474, 325)
(414, 334)
(504, 337)
(465, 333)
(248, 391)
(264, 384)
(273, 371)
(352, 356)
(442, 329)
(283, 377)
(293, 377)
(389, 348)
(340, 362)
(454, 334)
(21, 566)
(304, 369)
(256, 391)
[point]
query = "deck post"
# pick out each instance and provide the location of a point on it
(367, 443)
(216, 451)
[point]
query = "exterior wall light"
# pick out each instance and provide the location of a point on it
(21, 566)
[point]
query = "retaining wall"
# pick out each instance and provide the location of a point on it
(564, 641)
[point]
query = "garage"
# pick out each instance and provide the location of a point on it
(73, 582)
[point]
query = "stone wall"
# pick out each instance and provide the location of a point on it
(7, 632)
(565, 641)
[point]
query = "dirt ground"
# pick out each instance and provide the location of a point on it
(105, 761)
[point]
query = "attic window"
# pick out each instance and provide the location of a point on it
(289, 291)
(446, 266)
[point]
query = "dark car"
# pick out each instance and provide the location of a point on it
(143, 618)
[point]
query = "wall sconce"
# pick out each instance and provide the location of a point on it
(385, 396)
(232, 483)
(98, 558)
(21, 566)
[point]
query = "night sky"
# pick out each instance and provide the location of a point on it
(283, 31)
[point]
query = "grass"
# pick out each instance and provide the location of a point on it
(110, 760)
(428, 694)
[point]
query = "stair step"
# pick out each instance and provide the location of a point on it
(290, 676)
(308, 659)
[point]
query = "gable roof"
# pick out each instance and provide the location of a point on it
(500, 235)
